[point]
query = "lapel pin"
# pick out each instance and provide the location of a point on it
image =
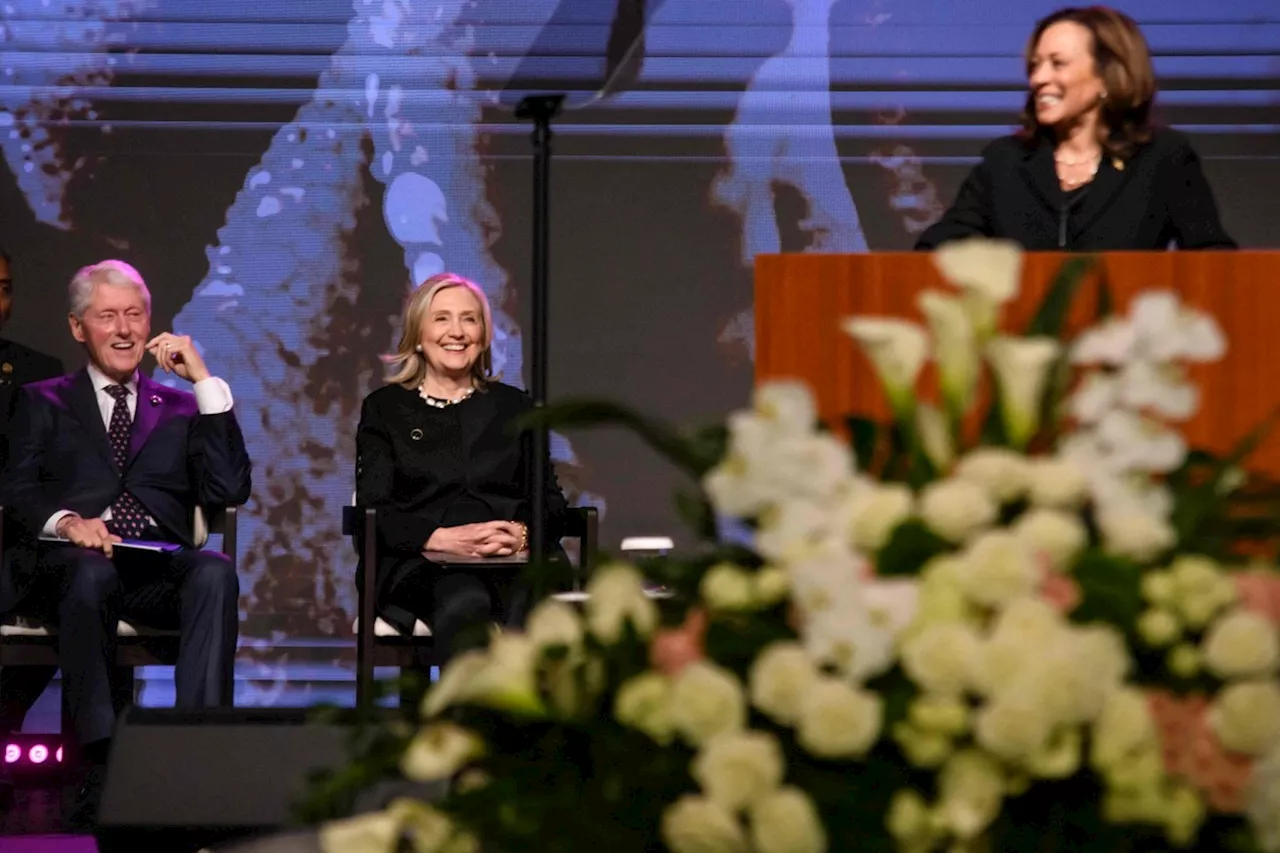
(415, 434)
(1117, 164)
(155, 399)
(6, 368)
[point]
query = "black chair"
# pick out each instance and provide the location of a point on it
(378, 643)
(28, 642)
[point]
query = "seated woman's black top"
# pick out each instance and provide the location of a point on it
(426, 467)
(1157, 197)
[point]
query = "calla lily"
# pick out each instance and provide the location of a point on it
(786, 404)
(990, 273)
(438, 751)
(935, 436)
(984, 315)
(897, 349)
(1021, 367)
(376, 832)
(954, 349)
(508, 680)
(991, 267)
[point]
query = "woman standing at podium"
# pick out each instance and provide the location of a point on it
(1087, 171)
(438, 456)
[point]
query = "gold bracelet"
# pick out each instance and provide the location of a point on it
(524, 537)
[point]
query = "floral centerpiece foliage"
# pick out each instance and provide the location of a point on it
(1028, 635)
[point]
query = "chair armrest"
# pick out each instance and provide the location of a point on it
(352, 520)
(584, 525)
(224, 520)
(199, 527)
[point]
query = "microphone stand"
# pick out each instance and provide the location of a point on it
(540, 109)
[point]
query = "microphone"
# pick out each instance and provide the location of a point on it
(1064, 211)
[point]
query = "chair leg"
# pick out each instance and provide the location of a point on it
(411, 689)
(365, 636)
(72, 755)
(364, 672)
(123, 688)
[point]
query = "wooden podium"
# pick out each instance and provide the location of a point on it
(800, 300)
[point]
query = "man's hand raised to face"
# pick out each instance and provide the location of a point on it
(177, 354)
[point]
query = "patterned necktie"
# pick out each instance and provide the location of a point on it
(128, 517)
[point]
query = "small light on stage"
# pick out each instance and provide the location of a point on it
(32, 753)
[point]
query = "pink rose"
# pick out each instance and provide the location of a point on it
(1259, 593)
(1060, 591)
(1193, 753)
(673, 649)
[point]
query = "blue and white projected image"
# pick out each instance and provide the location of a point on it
(282, 173)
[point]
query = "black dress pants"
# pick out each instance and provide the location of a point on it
(85, 593)
(458, 603)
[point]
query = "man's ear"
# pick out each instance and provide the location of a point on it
(77, 327)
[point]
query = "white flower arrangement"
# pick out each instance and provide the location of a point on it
(1027, 640)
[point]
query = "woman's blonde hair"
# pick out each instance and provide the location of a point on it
(407, 366)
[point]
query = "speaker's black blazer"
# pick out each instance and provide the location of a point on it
(1157, 197)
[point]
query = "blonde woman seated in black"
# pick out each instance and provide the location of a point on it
(438, 455)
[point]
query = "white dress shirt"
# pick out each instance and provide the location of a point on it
(213, 397)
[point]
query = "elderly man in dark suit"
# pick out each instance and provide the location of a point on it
(20, 687)
(105, 456)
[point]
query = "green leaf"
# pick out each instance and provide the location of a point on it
(1110, 590)
(1106, 302)
(864, 434)
(1052, 314)
(911, 545)
(708, 445)
(698, 513)
(1198, 505)
(922, 472)
(695, 456)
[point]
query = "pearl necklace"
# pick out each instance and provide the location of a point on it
(440, 402)
(1072, 183)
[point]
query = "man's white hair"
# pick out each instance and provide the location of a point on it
(110, 273)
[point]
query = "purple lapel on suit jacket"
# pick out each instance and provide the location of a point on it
(147, 414)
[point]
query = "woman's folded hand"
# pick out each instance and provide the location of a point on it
(483, 539)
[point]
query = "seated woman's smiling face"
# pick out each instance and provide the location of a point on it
(453, 332)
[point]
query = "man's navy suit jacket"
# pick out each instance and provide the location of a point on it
(60, 458)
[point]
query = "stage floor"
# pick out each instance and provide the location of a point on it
(48, 844)
(32, 822)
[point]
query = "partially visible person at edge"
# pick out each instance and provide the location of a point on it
(1088, 171)
(21, 686)
(438, 454)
